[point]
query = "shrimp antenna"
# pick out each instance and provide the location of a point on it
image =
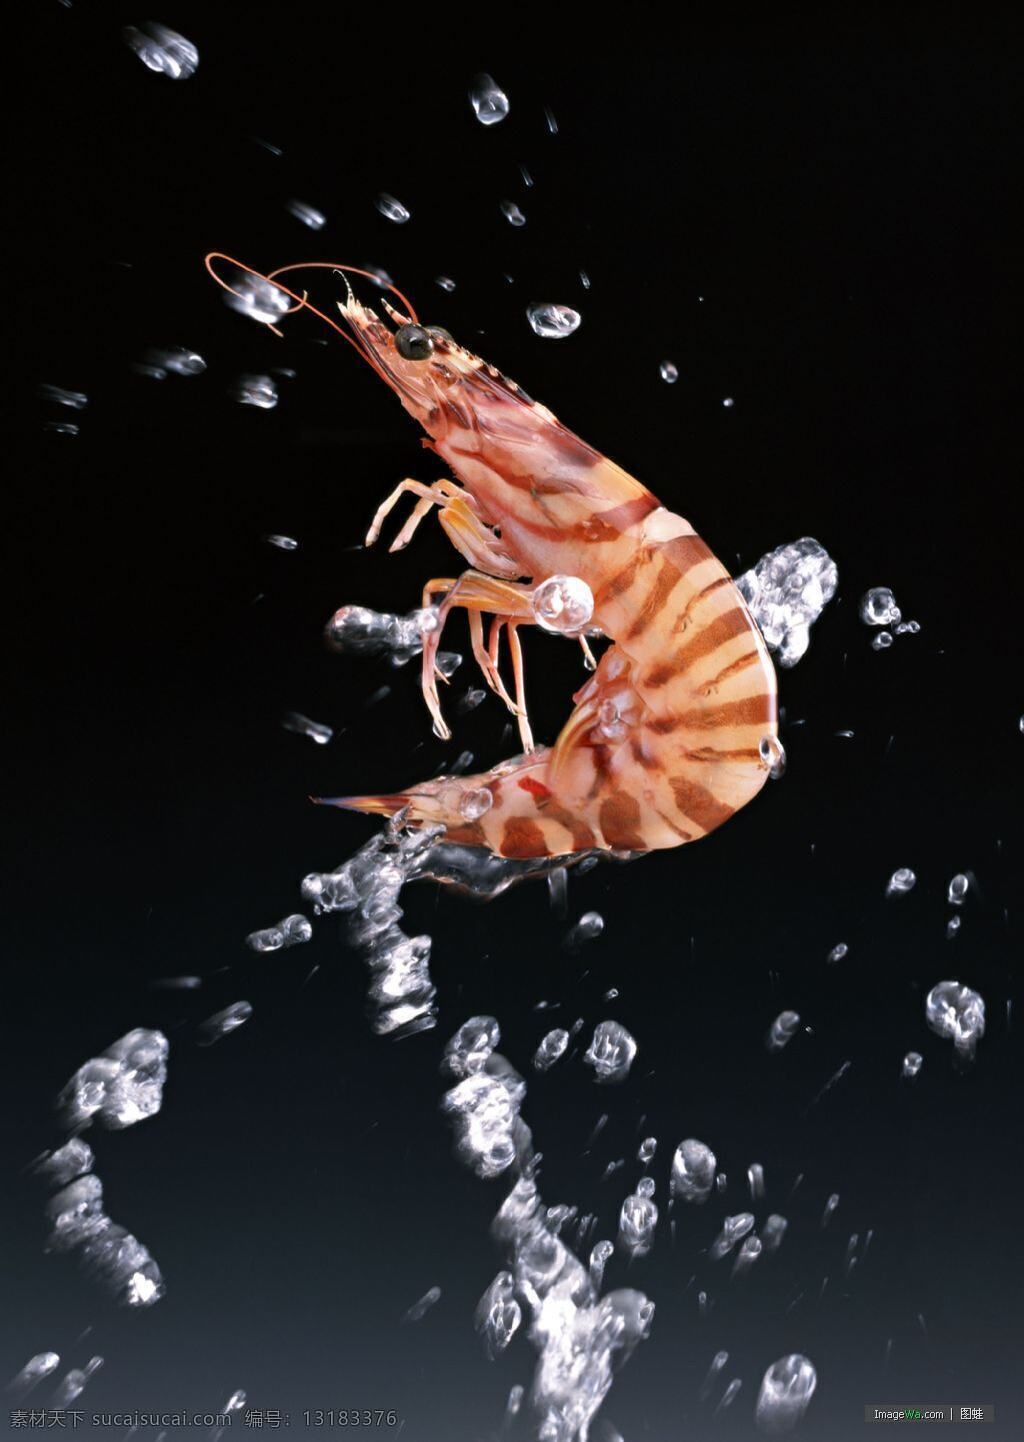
(302, 301)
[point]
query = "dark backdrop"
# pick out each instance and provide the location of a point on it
(812, 222)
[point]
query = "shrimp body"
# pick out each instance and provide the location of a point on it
(675, 730)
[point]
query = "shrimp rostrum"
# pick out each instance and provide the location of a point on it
(676, 728)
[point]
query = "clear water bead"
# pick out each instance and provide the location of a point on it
(646, 1151)
(668, 372)
(257, 298)
(446, 283)
(588, 928)
(553, 322)
(551, 1048)
(693, 1171)
(121, 1087)
(786, 1390)
(900, 882)
(878, 607)
(830, 1208)
(512, 213)
(302, 726)
(882, 641)
(159, 363)
(419, 1309)
(223, 1023)
(73, 1384)
(498, 1314)
(292, 931)
(912, 1064)
(958, 888)
(773, 754)
(600, 1256)
(75, 401)
(755, 1180)
(476, 803)
(392, 209)
(838, 953)
(489, 101)
(787, 591)
(734, 1229)
(953, 926)
(258, 391)
(957, 1012)
(161, 50)
(773, 1232)
(563, 604)
(472, 1044)
(783, 1029)
(307, 215)
(638, 1218)
(611, 1052)
(35, 1370)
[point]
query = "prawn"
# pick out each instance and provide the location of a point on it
(677, 727)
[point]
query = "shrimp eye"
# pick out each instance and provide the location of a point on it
(413, 343)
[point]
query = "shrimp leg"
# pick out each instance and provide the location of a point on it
(458, 516)
(478, 594)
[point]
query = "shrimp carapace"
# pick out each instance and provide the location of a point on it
(677, 727)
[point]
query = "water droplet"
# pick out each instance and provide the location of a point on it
(882, 641)
(392, 209)
(588, 928)
(668, 372)
(258, 391)
(693, 1171)
(838, 953)
(728, 403)
(957, 1012)
(783, 1029)
(563, 604)
(786, 1390)
(161, 50)
(611, 1052)
(773, 754)
(553, 322)
(307, 214)
(878, 607)
(222, 1023)
(912, 1063)
(958, 888)
(489, 101)
(551, 1048)
(283, 543)
(512, 213)
(446, 283)
(303, 726)
(476, 803)
(900, 882)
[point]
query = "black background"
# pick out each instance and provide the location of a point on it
(814, 222)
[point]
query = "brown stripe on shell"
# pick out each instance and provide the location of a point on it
(722, 629)
(751, 711)
(712, 754)
(683, 619)
(698, 804)
(618, 584)
(734, 667)
(583, 839)
(668, 578)
(522, 839)
(685, 552)
(620, 822)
